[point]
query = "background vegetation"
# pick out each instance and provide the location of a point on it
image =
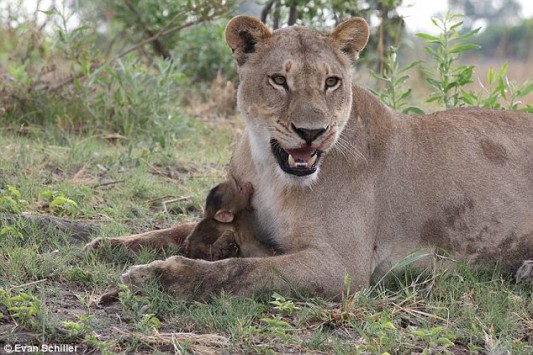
(120, 115)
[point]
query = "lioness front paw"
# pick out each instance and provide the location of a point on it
(187, 279)
(525, 272)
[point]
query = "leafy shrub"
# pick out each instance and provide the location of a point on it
(59, 204)
(130, 97)
(80, 80)
(447, 77)
(445, 49)
(392, 92)
(11, 200)
(202, 53)
(22, 306)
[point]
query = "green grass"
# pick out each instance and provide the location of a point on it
(48, 286)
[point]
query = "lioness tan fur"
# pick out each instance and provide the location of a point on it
(343, 185)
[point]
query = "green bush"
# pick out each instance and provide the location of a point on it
(202, 53)
(449, 79)
(80, 80)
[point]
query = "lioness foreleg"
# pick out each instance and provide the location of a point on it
(308, 272)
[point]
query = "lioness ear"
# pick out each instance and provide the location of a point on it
(242, 34)
(351, 36)
(224, 216)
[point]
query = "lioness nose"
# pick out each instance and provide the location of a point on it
(309, 135)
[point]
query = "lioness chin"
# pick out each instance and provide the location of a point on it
(343, 185)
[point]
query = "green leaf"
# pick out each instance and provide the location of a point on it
(458, 24)
(433, 98)
(451, 85)
(48, 12)
(409, 66)
(413, 110)
(435, 83)
(490, 76)
(528, 109)
(526, 90)
(445, 342)
(405, 95)
(467, 97)
(470, 34)
(460, 48)
(13, 191)
(428, 37)
(430, 51)
(401, 79)
(419, 333)
(389, 325)
(48, 194)
(503, 70)
(61, 201)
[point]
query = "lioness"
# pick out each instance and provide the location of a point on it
(343, 185)
(225, 230)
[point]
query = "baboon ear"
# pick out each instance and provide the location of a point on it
(224, 216)
(242, 34)
(351, 36)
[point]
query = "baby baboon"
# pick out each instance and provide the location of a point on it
(224, 231)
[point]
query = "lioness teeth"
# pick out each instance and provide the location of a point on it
(300, 163)
(312, 160)
(291, 161)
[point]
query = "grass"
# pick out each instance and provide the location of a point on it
(48, 286)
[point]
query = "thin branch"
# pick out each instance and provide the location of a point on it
(293, 15)
(163, 34)
(172, 199)
(159, 47)
(28, 284)
(108, 183)
(277, 14)
(165, 31)
(266, 10)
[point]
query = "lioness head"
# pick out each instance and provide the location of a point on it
(295, 90)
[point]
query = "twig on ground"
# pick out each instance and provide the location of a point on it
(419, 314)
(167, 202)
(174, 198)
(95, 186)
(27, 284)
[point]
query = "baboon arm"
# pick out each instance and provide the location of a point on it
(158, 239)
(251, 247)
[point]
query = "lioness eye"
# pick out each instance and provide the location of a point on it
(279, 79)
(332, 81)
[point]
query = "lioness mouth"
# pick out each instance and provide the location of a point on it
(299, 162)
